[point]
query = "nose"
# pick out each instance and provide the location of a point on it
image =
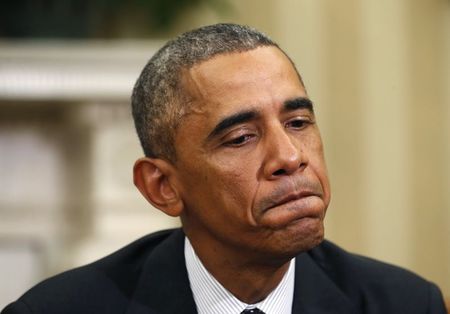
(283, 154)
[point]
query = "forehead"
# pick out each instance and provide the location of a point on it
(264, 72)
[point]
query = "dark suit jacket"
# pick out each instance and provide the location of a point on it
(149, 276)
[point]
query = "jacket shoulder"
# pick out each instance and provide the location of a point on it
(382, 287)
(104, 286)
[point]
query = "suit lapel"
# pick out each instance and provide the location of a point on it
(315, 292)
(164, 285)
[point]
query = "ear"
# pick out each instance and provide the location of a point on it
(153, 177)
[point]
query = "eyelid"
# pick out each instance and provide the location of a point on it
(304, 119)
(236, 134)
(246, 138)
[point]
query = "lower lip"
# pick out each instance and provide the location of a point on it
(286, 213)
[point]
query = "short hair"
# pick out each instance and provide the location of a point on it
(159, 101)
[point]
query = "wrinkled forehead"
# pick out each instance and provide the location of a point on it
(239, 78)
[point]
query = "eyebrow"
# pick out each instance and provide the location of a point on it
(298, 103)
(237, 118)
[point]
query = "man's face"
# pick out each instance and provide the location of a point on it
(250, 166)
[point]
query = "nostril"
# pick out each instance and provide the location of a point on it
(279, 172)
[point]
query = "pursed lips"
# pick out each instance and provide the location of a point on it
(291, 197)
(290, 189)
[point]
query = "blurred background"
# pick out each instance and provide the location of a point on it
(378, 71)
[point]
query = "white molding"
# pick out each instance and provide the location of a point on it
(71, 70)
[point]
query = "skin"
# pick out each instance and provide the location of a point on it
(252, 191)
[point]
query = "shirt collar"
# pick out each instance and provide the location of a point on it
(211, 297)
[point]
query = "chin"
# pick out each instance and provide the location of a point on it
(303, 236)
(283, 244)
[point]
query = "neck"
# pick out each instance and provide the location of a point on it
(249, 278)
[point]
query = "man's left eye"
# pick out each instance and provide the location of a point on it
(298, 123)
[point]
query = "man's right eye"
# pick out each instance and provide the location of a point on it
(239, 141)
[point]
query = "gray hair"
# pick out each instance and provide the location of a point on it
(158, 100)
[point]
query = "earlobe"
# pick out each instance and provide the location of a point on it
(152, 176)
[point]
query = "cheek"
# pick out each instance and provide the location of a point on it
(318, 165)
(235, 187)
(219, 184)
(311, 144)
(317, 158)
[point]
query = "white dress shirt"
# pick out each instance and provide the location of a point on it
(211, 297)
